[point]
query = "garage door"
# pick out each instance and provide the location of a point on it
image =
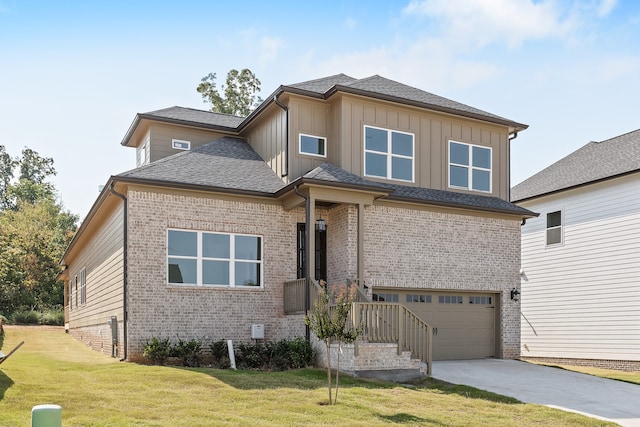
(463, 323)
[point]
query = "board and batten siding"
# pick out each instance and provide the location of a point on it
(432, 133)
(102, 256)
(267, 139)
(162, 135)
(580, 298)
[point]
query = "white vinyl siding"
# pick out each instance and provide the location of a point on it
(581, 298)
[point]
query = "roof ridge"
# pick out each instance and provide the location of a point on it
(616, 137)
(195, 109)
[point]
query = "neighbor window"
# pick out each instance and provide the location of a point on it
(469, 166)
(83, 286)
(214, 259)
(554, 228)
(388, 154)
(179, 144)
(313, 145)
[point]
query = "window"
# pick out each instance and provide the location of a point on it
(469, 166)
(419, 298)
(385, 297)
(70, 286)
(554, 228)
(142, 155)
(83, 286)
(450, 299)
(75, 290)
(313, 145)
(480, 300)
(179, 144)
(388, 154)
(213, 259)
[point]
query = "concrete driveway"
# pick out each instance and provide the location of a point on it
(596, 397)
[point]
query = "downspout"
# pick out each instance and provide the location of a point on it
(307, 237)
(124, 272)
(285, 171)
(512, 136)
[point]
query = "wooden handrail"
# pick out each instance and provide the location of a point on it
(394, 323)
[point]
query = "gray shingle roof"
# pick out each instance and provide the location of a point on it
(195, 116)
(226, 163)
(593, 162)
(377, 86)
(331, 173)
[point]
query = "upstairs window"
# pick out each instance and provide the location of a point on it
(142, 155)
(313, 145)
(214, 259)
(554, 228)
(178, 144)
(388, 154)
(469, 167)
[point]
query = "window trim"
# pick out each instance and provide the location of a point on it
(389, 155)
(305, 153)
(557, 227)
(175, 142)
(470, 167)
(200, 258)
(83, 286)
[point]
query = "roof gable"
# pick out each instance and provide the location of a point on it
(226, 163)
(591, 163)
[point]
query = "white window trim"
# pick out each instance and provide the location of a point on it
(390, 155)
(470, 167)
(561, 227)
(232, 260)
(305, 153)
(83, 286)
(180, 141)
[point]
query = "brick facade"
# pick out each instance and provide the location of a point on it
(620, 365)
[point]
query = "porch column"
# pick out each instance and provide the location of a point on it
(360, 241)
(310, 250)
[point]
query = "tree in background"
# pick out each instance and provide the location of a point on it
(34, 231)
(238, 95)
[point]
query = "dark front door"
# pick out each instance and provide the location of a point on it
(320, 253)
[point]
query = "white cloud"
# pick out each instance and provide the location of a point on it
(609, 69)
(351, 24)
(481, 22)
(605, 7)
(269, 48)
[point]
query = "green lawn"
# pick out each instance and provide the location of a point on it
(95, 390)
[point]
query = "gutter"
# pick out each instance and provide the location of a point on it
(124, 272)
(285, 169)
(308, 253)
(511, 137)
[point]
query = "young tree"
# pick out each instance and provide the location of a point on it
(238, 96)
(328, 321)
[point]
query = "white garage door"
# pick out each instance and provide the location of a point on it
(463, 323)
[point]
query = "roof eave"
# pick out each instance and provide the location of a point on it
(528, 214)
(312, 181)
(513, 126)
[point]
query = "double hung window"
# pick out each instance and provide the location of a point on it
(214, 259)
(554, 228)
(469, 166)
(388, 154)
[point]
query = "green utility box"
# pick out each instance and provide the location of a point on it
(46, 416)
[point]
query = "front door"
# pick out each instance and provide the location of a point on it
(320, 253)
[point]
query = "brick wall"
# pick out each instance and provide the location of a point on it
(413, 248)
(206, 313)
(620, 365)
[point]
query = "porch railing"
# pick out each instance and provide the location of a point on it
(294, 295)
(394, 323)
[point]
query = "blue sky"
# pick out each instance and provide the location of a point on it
(73, 74)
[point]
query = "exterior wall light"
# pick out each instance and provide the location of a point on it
(515, 294)
(321, 225)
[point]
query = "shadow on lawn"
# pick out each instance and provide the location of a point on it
(309, 379)
(5, 383)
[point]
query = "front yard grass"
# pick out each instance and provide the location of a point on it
(96, 390)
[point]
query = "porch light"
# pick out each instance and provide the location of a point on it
(321, 225)
(515, 294)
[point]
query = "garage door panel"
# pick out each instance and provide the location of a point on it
(463, 330)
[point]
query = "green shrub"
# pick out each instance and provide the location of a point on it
(291, 354)
(52, 317)
(28, 317)
(157, 350)
(220, 354)
(189, 352)
(253, 356)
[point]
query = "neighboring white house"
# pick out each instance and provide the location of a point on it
(581, 257)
